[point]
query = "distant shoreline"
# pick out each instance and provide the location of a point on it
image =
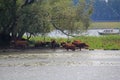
(105, 21)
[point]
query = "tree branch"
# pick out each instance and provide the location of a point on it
(27, 2)
(61, 30)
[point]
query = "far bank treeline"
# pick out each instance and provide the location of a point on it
(41, 16)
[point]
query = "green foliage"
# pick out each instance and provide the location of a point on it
(33, 19)
(66, 16)
(7, 20)
(84, 11)
(18, 17)
(7, 15)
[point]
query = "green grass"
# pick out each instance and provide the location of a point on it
(102, 42)
(104, 25)
(93, 42)
(111, 42)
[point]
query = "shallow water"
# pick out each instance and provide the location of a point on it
(60, 65)
(89, 32)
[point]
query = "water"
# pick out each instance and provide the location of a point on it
(61, 73)
(60, 65)
(90, 32)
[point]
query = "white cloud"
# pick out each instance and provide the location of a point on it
(106, 1)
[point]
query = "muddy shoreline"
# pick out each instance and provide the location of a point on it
(46, 50)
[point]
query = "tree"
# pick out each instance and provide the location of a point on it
(65, 15)
(19, 17)
(8, 20)
(33, 20)
(84, 11)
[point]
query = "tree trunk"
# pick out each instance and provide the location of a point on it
(20, 35)
(28, 36)
(4, 39)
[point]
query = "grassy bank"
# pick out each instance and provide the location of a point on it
(102, 42)
(104, 25)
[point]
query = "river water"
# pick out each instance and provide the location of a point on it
(89, 32)
(60, 65)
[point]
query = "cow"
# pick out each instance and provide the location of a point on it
(75, 42)
(80, 45)
(54, 44)
(47, 44)
(40, 44)
(19, 43)
(68, 46)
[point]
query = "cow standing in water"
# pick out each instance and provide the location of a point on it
(68, 46)
(19, 43)
(40, 44)
(54, 44)
(80, 44)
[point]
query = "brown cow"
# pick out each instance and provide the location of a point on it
(68, 46)
(20, 44)
(75, 42)
(54, 44)
(80, 45)
(40, 44)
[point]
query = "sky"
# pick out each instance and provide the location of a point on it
(106, 1)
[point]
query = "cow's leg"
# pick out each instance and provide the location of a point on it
(73, 49)
(80, 48)
(67, 49)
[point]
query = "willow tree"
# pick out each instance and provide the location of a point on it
(9, 10)
(33, 20)
(12, 12)
(69, 18)
(84, 10)
(7, 20)
(18, 17)
(62, 14)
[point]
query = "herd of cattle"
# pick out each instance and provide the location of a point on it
(53, 44)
